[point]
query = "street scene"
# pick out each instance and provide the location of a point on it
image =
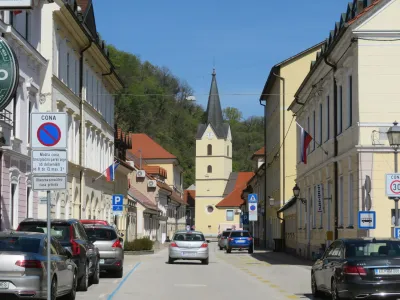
(146, 152)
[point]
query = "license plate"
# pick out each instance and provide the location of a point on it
(102, 261)
(240, 241)
(188, 253)
(387, 271)
(4, 285)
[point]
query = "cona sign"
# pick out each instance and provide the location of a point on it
(15, 4)
(9, 73)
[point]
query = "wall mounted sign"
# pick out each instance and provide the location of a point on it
(9, 73)
(15, 4)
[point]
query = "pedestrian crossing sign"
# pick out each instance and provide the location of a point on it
(252, 198)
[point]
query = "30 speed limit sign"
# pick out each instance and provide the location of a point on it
(393, 185)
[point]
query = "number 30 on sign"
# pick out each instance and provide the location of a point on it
(393, 185)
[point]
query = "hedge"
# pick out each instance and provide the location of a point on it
(139, 245)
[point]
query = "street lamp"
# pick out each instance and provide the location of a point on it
(271, 201)
(393, 135)
(296, 194)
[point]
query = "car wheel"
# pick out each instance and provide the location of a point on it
(119, 273)
(96, 274)
(334, 291)
(314, 287)
(72, 293)
(53, 290)
(205, 261)
(84, 281)
(170, 260)
(228, 250)
(221, 248)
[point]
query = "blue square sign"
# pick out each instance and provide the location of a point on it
(397, 232)
(366, 219)
(117, 203)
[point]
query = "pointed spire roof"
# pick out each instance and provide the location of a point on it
(214, 112)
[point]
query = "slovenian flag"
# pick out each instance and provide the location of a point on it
(110, 172)
(305, 140)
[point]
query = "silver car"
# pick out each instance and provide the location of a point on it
(110, 246)
(23, 267)
(188, 245)
(223, 239)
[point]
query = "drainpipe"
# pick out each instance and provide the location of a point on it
(265, 174)
(81, 131)
(1, 177)
(335, 163)
(282, 231)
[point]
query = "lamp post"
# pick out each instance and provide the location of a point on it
(296, 194)
(393, 135)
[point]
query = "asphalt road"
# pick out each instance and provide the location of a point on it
(238, 275)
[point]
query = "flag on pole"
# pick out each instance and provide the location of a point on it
(17, 12)
(305, 140)
(110, 172)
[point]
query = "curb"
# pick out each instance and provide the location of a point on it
(143, 252)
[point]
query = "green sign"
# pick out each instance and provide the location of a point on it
(9, 74)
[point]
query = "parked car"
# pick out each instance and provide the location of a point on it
(100, 222)
(23, 271)
(72, 236)
(110, 246)
(188, 245)
(223, 239)
(239, 239)
(358, 268)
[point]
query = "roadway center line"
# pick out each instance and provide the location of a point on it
(123, 281)
(190, 285)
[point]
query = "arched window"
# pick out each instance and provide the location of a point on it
(209, 149)
(209, 169)
(227, 151)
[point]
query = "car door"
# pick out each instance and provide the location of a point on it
(331, 262)
(91, 250)
(319, 271)
(59, 266)
(68, 263)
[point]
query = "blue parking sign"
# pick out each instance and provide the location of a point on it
(397, 232)
(117, 203)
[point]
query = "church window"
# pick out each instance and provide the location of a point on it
(209, 149)
(209, 169)
(210, 209)
(227, 150)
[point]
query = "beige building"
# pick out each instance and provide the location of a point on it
(346, 103)
(281, 145)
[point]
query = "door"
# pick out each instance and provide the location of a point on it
(91, 252)
(58, 267)
(333, 258)
(67, 266)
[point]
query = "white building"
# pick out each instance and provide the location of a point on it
(17, 200)
(81, 81)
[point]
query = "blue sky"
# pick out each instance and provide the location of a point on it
(243, 40)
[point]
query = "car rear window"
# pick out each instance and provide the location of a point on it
(189, 237)
(101, 234)
(226, 233)
(20, 244)
(372, 248)
(60, 232)
(240, 234)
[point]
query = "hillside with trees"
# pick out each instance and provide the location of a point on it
(154, 102)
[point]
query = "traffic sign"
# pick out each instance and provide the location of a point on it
(49, 131)
(9, 72)
(393, 185)
(117, 199)
(366, 219)
(49, 162)
(252, 200)
(47, 183)
(396, 232)
(245, 218)
(16, 4)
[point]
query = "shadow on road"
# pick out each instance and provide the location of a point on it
(279, 258)
(184, 263)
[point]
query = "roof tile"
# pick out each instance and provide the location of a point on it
(148, 147)
(189, 197)
(364, 11)
(234, 199)
(146, 202)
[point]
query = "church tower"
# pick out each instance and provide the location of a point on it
(213, 164)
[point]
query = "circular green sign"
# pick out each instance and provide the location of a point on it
(9, 73)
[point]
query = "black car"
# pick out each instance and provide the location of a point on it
(358, 268)
(72, 236)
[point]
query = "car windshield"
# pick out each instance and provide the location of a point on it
(60, 232)
(101, 234)
(235, 234)
(189, 237)
(226, 233)
(20, 244)
(372, 248)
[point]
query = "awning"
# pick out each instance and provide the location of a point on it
(288, 204)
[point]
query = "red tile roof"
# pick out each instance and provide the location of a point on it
(146, 202)
(83, 4)
(260, 152)
(148, 147)
(176, 197)
(234, 199)
(155, 170)
(189, 197)
(364, 11)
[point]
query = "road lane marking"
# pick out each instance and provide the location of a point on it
(123, 281)
(292, 297)
(189, 285)
(102, 296)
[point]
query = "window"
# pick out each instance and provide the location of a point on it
(328, 118)
(329, 195)
(340, 224)
(28, 26)
(340, 111)
(227, 151)
(87, 85)
(28, 201)
(229, 215)
(209, 169)
(13, 204)
(210, 209)
(68, 66)
(209, 149)
(30, 108)
(351, 201)
(350, 102)
(320, 124)
(14, 116)
(313, 136)
(60, 60)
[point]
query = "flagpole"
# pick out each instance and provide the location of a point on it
(102, 173)
(318, 144)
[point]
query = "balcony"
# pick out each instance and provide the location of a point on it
(6, 127)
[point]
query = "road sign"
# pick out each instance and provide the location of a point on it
(9, 73)
(396, 232)
(252, 200)
(366, 220)
(117, 199)
(47, 183)
(393, 185)
(245, 218)
(15, 4)
(49, 162)
(49, 131)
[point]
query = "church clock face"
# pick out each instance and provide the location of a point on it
(210, 135)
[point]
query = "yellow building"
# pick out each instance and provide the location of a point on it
(214, 178)
(346, 103)
(283, 81)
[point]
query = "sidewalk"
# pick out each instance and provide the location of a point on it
(280, 258)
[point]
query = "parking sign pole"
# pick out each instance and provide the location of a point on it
(48, 245)
(253, 235)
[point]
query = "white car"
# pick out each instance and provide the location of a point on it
(188, 245)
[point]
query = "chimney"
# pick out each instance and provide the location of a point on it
(360, 6)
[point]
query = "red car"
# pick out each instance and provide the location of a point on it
(99, 222)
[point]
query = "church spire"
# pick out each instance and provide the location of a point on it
(214, 111)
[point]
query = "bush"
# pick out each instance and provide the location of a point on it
(139, 245)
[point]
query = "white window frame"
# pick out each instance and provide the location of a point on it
(340, 110)
(350, 100)
(233, 215)
(350, 200)
(328, 117)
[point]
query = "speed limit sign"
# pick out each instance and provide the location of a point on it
(393, 185)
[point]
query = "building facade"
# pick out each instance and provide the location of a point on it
(348, 111)
(21, 29)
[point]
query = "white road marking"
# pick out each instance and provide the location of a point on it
(102, 296)
(190, 285)
(115, 281)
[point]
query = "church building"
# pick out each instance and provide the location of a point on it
(218, 189)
